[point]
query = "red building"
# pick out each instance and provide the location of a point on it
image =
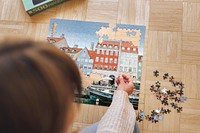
(106, 56)
(92, 54)
(129, 47)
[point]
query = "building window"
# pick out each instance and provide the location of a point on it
(98, 51)
(116, 53)
(97, 59)
(123, 48)
(101, 60)
(110, 67)
(66, 50)
(141, 58)
(101, 67)
(52, 41)
(116, 47)
(95, 66)
(128, 49)
(89, 67)
(111, 52)
(115, 68)
(102, 52)
(85, 67)
(125, 69)
(105, 67)
(121, 68)
(110, 46)
(107, 52)
(86, 60)
(111, 60)
(115, 61)
(106, 60)
(134, 70)
(130, 69)
(134, 49)
(104, 46)
(99, 45)
(91, 61)
(78, 59)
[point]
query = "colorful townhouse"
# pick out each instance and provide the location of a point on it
(59, 42)
(85, 61)
(128, 58)
(73, 52)
(106, 58)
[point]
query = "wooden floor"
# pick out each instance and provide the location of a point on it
(172, 45)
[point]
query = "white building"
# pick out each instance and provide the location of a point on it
(128, 58)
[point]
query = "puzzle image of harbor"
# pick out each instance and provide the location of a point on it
(102, 52)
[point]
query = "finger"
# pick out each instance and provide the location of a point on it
(132, 85)
(117, 81)
(126, 79)
(126, 75)
(121, 80)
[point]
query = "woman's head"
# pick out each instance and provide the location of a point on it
(37, 83)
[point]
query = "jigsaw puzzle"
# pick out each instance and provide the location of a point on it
(102, 51)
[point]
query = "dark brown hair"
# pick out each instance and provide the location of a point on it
(37, 83)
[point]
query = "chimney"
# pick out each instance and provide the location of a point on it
(53, 29)
(62, 36)
(75, 46)
(92, 46)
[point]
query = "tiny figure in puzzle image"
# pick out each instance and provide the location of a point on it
(35, 2)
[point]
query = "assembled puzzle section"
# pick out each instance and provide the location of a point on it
(33, 7)
(102, 52)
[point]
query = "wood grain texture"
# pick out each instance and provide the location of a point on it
(168, 51)
(166, 16)
(172, 45)
(189, 120)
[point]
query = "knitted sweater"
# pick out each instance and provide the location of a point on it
(120, 116)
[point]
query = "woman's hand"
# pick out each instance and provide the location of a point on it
(125, 83)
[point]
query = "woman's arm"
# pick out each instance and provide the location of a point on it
(120, 116)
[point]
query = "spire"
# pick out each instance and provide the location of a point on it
(53, 29)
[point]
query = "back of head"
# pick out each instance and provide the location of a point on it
(37, 83)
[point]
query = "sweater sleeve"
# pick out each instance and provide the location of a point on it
(120, 116)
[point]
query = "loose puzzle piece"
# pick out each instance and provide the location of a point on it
(156, 73)
(167, 97)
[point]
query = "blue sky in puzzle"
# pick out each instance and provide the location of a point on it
(142, 28)
(82, 33)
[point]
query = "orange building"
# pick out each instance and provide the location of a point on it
(106, 56)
